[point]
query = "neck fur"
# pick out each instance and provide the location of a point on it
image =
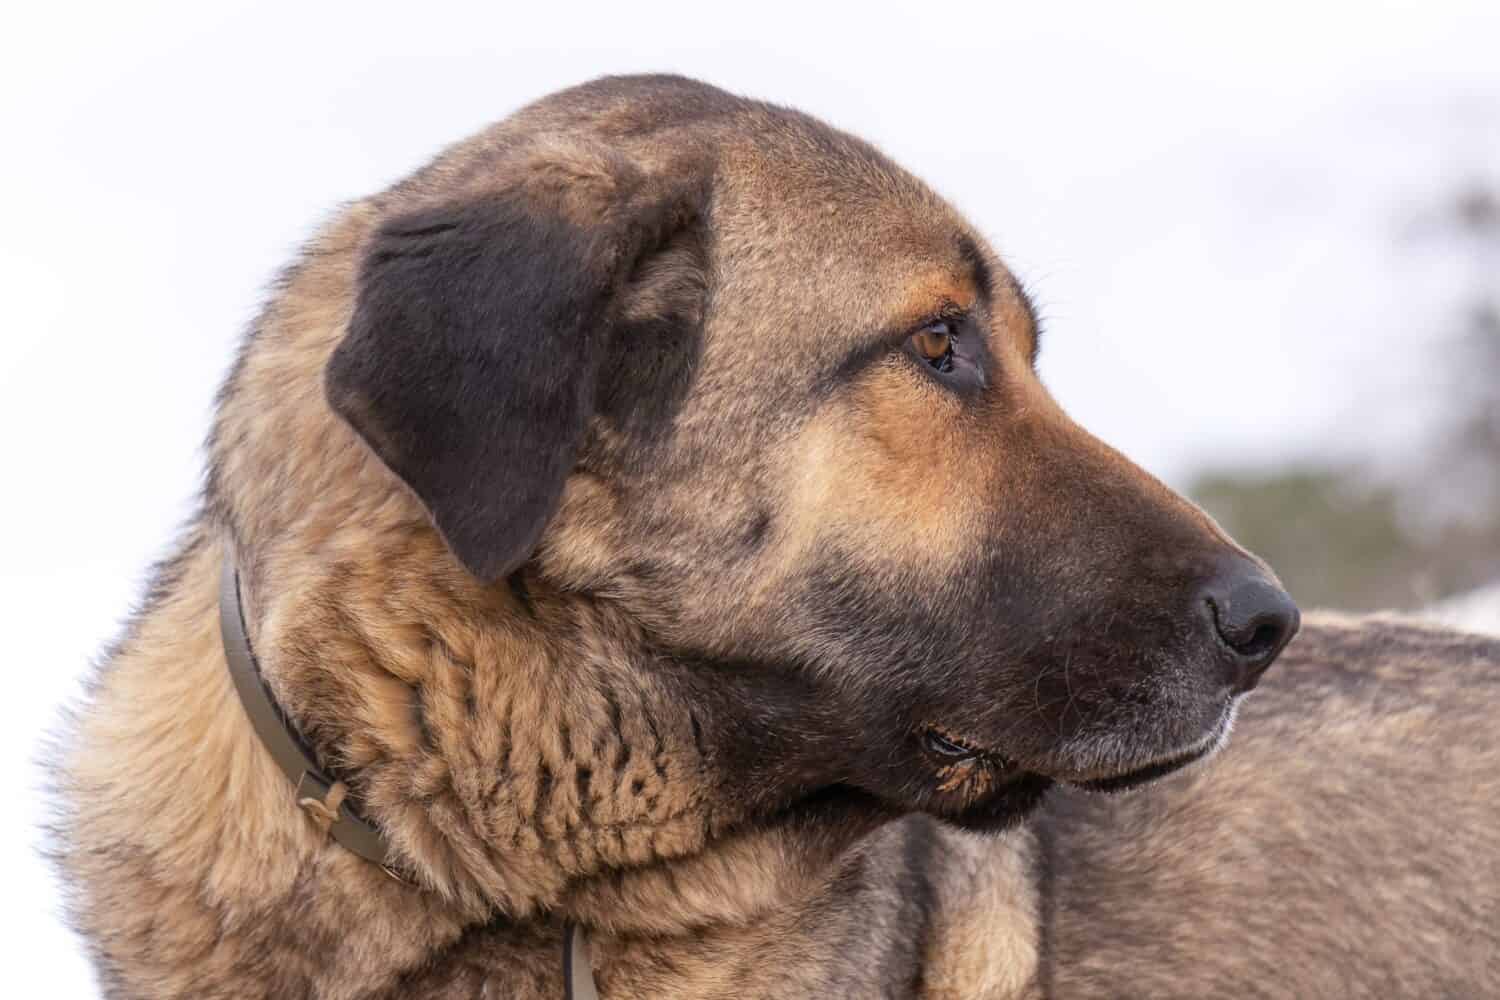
(519, 777)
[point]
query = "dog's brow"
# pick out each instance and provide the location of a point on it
(984, 278)
(1033, 321)
(984, 283)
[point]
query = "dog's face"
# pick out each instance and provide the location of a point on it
(743, 377)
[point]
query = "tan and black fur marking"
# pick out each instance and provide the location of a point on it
(600, 527)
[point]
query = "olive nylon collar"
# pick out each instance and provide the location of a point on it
(322, 796)
(309, 781)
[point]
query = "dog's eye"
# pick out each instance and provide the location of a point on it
(934, 345)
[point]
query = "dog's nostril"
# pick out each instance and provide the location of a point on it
(1254, 619)
(1266, 637)
(1255, 639)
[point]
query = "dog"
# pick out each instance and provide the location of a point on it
(647, 522)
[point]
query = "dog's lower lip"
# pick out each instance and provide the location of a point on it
(1142, 775)
(1164, 766)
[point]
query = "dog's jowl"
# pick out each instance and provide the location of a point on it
(646, 519)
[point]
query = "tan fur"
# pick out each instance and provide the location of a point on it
(986, 941)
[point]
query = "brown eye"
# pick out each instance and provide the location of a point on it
(934, 345)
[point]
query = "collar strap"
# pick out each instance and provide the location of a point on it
(323, 795)
(311, 783)
(578, 965)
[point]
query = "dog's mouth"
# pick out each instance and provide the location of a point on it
(965, 765)
(1202, 748)
(1148, 773)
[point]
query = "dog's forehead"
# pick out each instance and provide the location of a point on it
(819, 225)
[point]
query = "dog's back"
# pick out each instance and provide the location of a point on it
(1347, 843)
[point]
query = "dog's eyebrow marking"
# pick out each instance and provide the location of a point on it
(1033, 320)
(984, 281)
(984, 277)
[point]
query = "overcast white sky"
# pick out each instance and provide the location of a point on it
(1205, 201)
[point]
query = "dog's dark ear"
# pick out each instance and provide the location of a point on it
(473, 352)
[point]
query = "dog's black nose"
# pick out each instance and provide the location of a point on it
(1253, 617)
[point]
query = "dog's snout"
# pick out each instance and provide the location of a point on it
(1253, 618)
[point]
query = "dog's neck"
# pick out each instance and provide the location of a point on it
(207, 872)
(519, 779)
(514, 746)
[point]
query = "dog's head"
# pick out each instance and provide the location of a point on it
(739, 375)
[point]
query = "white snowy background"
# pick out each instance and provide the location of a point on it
(1205, 198)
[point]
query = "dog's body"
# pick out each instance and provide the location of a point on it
(650, 511)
